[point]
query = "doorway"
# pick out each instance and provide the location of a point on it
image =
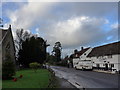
(106, 66)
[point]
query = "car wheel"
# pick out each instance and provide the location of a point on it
(75, 67)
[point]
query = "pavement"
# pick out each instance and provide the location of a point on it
(87, 79)
(65, 84)
(102, 71)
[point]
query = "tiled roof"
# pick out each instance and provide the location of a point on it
(4, 32)
(79, 53)
(82, 51)
(109, 49)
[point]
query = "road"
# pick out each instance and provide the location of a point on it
(87, 79)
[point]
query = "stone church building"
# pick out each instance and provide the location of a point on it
(6, 44)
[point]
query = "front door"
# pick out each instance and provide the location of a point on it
(98, 66)
(106, 66)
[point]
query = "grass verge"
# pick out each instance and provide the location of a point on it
(30, 79)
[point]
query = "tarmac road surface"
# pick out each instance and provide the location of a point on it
(87, 79)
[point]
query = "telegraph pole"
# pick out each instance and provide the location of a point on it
(1, 25)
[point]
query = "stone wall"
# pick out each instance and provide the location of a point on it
(8, 43)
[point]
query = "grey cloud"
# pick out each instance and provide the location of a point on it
(87, 33)
(61, 22)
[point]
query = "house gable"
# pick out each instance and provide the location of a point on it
(79, 53)
(8, 44)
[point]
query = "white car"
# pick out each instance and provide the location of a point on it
(84, 65)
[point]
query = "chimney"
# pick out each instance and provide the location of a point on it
(75, 51)
(82, 48)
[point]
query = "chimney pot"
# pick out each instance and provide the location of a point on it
(82, 48)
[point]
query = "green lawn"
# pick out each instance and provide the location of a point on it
(30, 79)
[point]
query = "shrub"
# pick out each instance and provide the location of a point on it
(20, 76)
(8, 68)
(34, 66)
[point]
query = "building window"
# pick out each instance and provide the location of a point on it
(97, 65)
(104, 61)
(76, 55)
(112, 65)
(100, 57)
(109, 56)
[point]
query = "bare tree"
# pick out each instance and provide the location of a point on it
(21, 36)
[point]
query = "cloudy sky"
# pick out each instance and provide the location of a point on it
(74, 24)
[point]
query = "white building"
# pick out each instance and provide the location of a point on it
(104, 57)
(80, 55)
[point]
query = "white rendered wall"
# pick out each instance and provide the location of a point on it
(114, 60)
